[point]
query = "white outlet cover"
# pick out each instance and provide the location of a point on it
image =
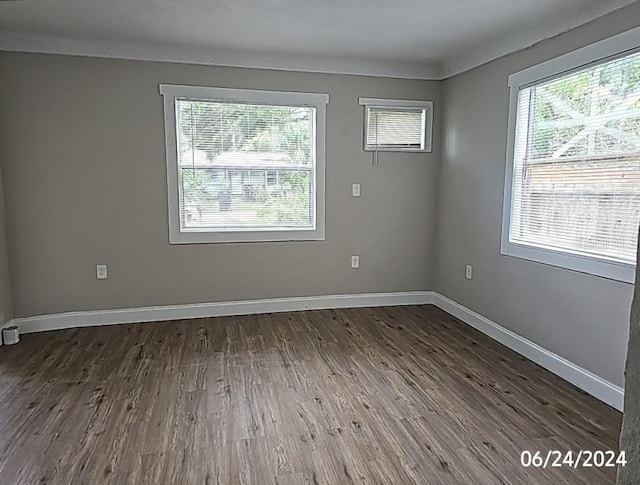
(355, 261)
(355, 190)
(101, 272)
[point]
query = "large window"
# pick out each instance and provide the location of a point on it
(573, 178)
(244, 165)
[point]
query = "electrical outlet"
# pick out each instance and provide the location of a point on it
(101, 272)
(355, 190)
(468, 272)
(355, 261)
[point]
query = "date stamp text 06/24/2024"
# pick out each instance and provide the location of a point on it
(572, 459)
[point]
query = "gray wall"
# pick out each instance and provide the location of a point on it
(84, 167)
(583, 318)
(6, 308)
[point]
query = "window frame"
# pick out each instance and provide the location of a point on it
(382, 103)
(600, 52)
(319, 101)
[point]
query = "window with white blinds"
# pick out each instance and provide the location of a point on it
(575, 168)
(397, 125)
(244, 165)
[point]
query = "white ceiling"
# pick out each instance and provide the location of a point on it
(405, 38)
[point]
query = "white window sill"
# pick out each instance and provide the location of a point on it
(613, 270)
(208, 237)
(396, 149)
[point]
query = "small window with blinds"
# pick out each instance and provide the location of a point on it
(244, 165)
(574, 198)
(397, 125)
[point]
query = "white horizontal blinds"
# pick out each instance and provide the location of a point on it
(245, 166)
(577, 162)
(390, 127)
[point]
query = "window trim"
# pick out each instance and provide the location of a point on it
(600, 52)
(427, 106)
(171, 92)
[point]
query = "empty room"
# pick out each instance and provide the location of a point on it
(296, 242)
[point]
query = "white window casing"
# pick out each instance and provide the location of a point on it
(244, 165)
(572, 179)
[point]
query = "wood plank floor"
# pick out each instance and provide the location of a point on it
(377, 395)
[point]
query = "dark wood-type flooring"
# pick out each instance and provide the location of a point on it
(375, 395)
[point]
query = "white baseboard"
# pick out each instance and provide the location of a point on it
(578, 376)
(582, 378)
(59, 321)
